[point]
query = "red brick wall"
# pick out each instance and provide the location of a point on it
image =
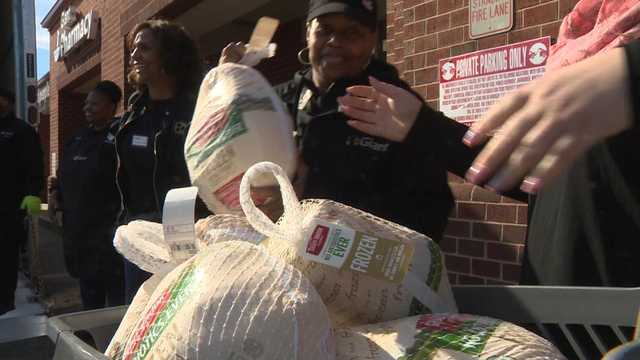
(103, 57)
(485, 237)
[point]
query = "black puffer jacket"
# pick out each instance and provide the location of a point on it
(402, 182)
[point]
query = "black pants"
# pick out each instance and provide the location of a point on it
(12, 234)
(133, 279)
(101, 290)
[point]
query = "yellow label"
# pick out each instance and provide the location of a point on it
(380, 258)
(343, 248)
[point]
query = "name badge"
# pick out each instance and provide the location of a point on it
(140, 141)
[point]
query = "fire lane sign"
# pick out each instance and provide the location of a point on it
(489, 17)
(471, 83)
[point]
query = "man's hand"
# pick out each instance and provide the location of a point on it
(31, 204)
(382, 109)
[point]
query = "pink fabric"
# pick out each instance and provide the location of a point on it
(594, 26)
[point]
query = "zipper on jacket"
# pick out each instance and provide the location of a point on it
(119, 164)
(155, 169)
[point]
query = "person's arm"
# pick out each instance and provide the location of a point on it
(31, 156)
(35, 170)
(399, 115)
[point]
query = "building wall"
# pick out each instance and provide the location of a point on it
(484, 242)
(103, 57)
(45, 138)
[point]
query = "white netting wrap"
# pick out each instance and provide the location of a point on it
(351, 298)
(142, 243)
(232, 300)
(443, 337)
(225, 227)
(133, 314)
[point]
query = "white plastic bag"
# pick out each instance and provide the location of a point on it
(142, 243)
(238, 121)
(134, 311)
(226, 227)
(232, 301)
(366, 269)
(443, 337)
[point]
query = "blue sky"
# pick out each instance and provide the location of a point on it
(42, 36)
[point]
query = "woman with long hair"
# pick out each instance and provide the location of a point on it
(166, 73)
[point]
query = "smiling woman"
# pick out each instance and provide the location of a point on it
(351, 160)
(165, 70)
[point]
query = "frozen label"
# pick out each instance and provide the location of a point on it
(344, 248)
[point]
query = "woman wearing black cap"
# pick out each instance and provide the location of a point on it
(385, 174)
(86, 194)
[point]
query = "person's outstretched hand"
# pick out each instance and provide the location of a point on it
(540, 129)
(382, 109)
(232, 53)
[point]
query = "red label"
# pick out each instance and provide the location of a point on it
(229, 194)
(318, 238)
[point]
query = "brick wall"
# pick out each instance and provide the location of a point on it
(103, 57)
(485, 238)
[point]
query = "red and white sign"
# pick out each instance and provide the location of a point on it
(471, 83)
(488, 17)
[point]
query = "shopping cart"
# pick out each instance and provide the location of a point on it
(584, 323)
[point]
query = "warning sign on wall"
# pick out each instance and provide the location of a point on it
(471, 83)
(488, 17)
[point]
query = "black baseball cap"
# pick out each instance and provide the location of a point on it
(363, 11)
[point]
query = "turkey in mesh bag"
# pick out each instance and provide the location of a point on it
(226, 227)
(443, 337)
(238, 121)
(232, 301)
(366, 269)
(157, 249)
(142, 243)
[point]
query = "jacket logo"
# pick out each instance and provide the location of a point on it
(7, 134)
(80, 158)
(110, 139)
(304, 99)
(181, 128)
(367, 142)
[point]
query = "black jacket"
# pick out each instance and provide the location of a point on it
(170, 169)
(585, 226)
(22, 163)
(88, 198)
(402, 182)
